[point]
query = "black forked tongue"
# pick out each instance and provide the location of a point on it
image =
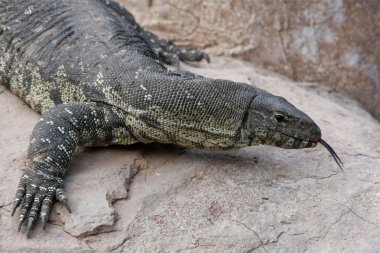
(332, 153)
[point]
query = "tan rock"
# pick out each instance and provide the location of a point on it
(261, 197)
(326, 41)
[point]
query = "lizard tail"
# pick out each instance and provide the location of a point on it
(333, 154)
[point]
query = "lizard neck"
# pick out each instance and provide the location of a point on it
(186, 109)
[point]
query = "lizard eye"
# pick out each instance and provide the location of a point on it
(280, 118)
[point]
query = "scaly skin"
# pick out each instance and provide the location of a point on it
(98, 79)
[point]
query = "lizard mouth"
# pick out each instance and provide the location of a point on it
(332, 153)
(284, 140)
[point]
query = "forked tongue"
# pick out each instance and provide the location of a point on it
(332, 153)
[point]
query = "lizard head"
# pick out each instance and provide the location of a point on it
(272, 120)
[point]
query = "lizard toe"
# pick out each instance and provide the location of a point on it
(33, 212)
(26, 204)
(46, 207)
(35, 208)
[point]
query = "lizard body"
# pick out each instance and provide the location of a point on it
(99, 79)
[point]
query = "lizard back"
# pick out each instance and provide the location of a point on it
(55, 52)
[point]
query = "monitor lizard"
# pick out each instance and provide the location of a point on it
(99, 79)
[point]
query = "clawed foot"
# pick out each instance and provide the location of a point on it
(36, 193)
(170, 54)
(193, 55)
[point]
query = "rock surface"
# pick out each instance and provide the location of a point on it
(257, 199)
(330, 41)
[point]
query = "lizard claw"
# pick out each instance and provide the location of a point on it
(19, 196)
(20, 221)
(60, 195)
(64, 202)
(29, 226)
(44, 219)
(206, 57)
(16, 204)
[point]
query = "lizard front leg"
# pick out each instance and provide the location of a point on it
(52, 144)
